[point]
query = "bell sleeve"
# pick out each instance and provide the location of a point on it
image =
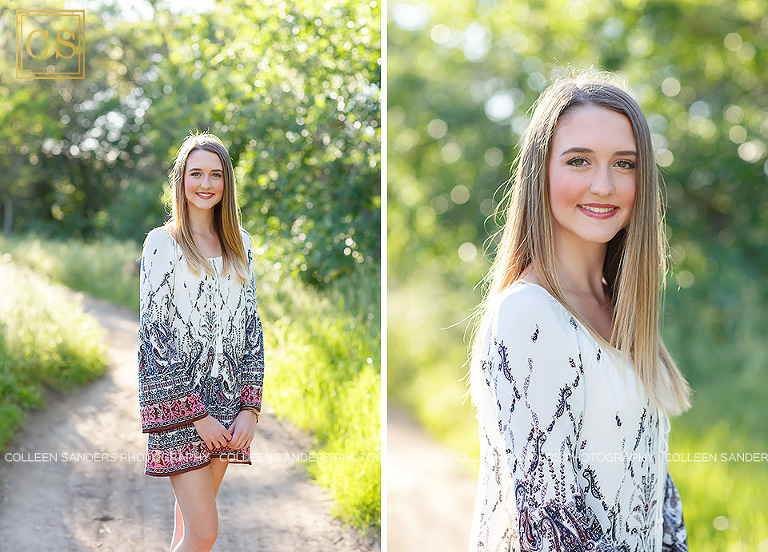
(252, 365)
(675, 535)
(166, 398)
(534, 372)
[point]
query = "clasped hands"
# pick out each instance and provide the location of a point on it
(238, 436)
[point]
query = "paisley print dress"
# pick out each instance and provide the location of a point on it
(200, 352)
(573, 455)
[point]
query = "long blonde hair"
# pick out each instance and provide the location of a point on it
(226, 217)
(635, 261)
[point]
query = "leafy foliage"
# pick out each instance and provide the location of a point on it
(292, 89)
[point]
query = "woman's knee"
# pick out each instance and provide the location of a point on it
(203, 534)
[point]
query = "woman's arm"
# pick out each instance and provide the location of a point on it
(675, 534)
(534, 374)
(252, 367)
(166, 398)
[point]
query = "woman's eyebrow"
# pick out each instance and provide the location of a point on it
(577, 149)
(199, 169)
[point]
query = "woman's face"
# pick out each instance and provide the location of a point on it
(203, 180)
(592, 175)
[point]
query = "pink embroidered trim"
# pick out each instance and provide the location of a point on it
(189, 456)
(251, 396)
(177, 458)
(172, 413)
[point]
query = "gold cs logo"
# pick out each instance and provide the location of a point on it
(37, 57)
(59, 39)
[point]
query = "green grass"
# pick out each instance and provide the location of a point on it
(46, 342)
(322, 352)
(323, 373)
(716, 333)
(724, 495)
(106, 269)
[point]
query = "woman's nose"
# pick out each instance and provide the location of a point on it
(601, 183)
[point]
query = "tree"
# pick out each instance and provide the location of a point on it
(291, 88)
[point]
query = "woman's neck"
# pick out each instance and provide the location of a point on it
(580, 268)
(201, 221)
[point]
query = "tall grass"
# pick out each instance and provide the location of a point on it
(46, 341)
(106, 269)
(322, 357)
(323, 374)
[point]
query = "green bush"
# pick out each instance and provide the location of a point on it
(46, 341)
(299, 111)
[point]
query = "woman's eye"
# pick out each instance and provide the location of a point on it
(577, 162)
(625, 164)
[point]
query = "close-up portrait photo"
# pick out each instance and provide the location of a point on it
(577, 237)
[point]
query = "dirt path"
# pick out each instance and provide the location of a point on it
(75, 476)
(430, 495)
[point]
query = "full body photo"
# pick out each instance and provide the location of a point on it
(201, 354)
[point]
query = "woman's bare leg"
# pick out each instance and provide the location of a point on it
(218, 469)
(197, 502)
(178, 526)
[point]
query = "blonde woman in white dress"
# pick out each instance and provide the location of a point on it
(573, 385)
(201, 353)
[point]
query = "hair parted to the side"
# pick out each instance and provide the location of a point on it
(226, 217)
(635, 263)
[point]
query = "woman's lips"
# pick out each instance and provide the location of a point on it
(599, 211)
(205, 195)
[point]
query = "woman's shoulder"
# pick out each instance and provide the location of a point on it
(525, 302)
(247, 241)
(525, 315)
(522, 297)
(158, 239)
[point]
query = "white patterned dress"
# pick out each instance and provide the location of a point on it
(573, 456)
(200, 352)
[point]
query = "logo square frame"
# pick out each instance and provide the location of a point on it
(21, 73)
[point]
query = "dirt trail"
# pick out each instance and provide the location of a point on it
(430, 493)
(85, 489)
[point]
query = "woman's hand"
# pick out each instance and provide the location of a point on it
(212, 432)
(242, 430)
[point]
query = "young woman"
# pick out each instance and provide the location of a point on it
(573, 385)
(201, 356)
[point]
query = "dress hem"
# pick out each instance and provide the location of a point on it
(191, 468)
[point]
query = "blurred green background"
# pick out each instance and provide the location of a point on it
(292, 89)
(461, 79)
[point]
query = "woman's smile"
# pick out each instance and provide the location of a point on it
(598, 210)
